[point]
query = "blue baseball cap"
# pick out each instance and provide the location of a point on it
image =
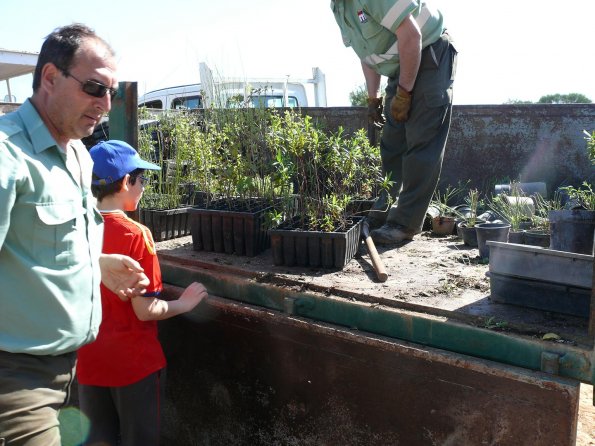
(113, 159)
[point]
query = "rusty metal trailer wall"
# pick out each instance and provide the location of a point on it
(493, 144)
(278, 359)
(244, 375)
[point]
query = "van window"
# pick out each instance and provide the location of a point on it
(273, 101)
(262, 101)
(153, 104)
(186, 103)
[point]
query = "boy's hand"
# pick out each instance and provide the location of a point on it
(193, 295)
(122, 275)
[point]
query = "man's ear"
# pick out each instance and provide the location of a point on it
(49, 73)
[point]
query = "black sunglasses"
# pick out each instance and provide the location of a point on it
(94, 88)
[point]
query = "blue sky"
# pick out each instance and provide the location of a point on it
(521, 49)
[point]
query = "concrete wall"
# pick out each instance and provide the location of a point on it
(493, 144)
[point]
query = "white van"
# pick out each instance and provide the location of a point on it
(230, 93)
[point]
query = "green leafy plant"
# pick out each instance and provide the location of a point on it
(442, 201)
(165, 143)
(473, 201)
(327, 171)
(543, 206)
(584, 196)
(242, 156)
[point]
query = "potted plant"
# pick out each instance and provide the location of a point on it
(538, 234)
(572, 228)
(323, 169)
(161, 207)
(444, 222)
(232, 166)
(469, 219)
(515, 209)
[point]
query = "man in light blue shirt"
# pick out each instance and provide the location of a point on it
(406, 41)
(51, 234)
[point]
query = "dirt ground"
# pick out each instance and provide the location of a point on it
(438, 275)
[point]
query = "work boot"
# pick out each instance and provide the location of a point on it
(391, 233)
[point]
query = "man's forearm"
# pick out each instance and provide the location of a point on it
(372, 81)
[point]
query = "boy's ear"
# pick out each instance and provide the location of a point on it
(125, 183)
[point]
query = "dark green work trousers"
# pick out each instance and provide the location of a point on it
(412, 151)
(33, 389)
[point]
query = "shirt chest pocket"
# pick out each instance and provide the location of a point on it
(60, 233)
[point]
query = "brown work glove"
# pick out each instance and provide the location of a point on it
(375, 115)
(400, 105)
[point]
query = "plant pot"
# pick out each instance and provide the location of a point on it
(463, 210)
(226, 227)
(572, 230)
(468, 234)
(296, 247)
(166, 224)
(458, 230)
(537, 237)
(431, 213)
(443, 225)
(517, 237)
(490, 231)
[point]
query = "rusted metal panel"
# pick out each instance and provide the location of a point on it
(123, 117)
(435, 331)
(239, 374)
(529, 142)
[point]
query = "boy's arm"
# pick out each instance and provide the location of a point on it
(154, 309)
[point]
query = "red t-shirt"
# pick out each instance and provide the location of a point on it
(126, 349)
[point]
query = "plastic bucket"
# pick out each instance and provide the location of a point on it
(572, 230)
(490, 231)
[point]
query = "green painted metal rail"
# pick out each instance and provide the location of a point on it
(435, 331)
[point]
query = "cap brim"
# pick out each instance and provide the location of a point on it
(142, 164)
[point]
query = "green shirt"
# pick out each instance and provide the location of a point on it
(50, 241)
(369, 27)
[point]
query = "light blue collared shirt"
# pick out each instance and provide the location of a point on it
(50, 240)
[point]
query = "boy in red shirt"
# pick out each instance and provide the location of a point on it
(120, 375)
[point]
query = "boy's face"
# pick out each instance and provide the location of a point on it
(134, 193)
